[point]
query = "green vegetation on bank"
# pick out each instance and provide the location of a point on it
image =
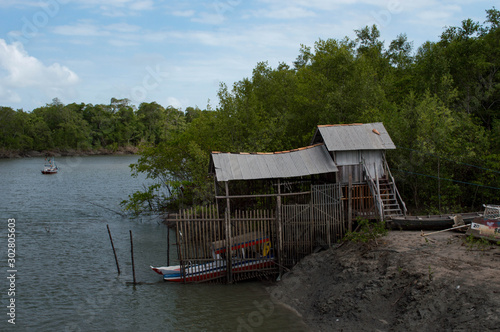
(439, 102)
(85, 126)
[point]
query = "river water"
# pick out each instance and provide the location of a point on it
(64, 276)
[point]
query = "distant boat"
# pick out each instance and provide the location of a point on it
(430, 222)
(50, 166)
(249, 252)
(488, 226)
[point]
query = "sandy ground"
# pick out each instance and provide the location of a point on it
(402, 283)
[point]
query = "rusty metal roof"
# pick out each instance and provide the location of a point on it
(305, 161)
(356, 136)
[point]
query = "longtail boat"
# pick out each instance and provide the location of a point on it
(249, 252)
(431, 222)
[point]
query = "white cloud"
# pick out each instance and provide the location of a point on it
(142, 5)
(172, 101)
(183, 13)
(20, 70)
(209, 18)
(79, 29)
(9, 96)
(118, 8)
(286, 13)
(123, 27)
(123, 43)
(120, 34)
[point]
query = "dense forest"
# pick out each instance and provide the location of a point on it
(439, 102)
(84, 127)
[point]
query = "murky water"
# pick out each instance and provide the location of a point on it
(65, 273)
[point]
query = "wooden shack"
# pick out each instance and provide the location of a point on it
(358, 151)
(302, 199)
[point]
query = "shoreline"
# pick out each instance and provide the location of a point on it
(15, 154)
(406, 283)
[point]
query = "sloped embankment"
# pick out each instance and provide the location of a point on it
(405, 283)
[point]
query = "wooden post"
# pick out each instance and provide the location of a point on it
(280, 231)
(114, 251)
(439, 189)
(180, 245)
(311, 220)
(132, 255)
(216, 194)
(228, 237)
(168, 245)
(349, 203)
(378, 198)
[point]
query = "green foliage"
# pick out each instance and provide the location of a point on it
(140, 201)
(86, 126)
(439, 103)
(367, 231)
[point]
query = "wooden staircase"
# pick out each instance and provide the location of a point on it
(390, 204)
(387, 200)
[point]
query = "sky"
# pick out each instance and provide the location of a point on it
(177, 53)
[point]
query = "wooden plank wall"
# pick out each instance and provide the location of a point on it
(296, 232)
(362, 201)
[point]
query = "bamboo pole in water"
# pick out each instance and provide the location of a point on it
(132, 255)
(114, 251)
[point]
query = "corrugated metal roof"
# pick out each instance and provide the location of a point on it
(285, 164)
(357, 136)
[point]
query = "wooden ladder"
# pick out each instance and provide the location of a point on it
(391, 207)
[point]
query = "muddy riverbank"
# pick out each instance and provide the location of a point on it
(405, 283)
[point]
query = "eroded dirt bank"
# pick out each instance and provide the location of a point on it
(404, 283)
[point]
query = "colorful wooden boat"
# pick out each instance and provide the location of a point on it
(50, 166)
(488, 226)
(249, 252)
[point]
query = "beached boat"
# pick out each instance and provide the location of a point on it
(488, 226)
(249, 252)
(50, 166)
(431, 222)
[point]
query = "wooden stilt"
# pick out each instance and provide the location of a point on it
(132, 255)
(228, 237)
(349, 204)
(114, 251)
(168, 246)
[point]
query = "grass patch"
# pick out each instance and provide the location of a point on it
(367, 232)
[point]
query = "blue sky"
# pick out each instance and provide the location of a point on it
(178, 52)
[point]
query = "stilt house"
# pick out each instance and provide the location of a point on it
(351, 156)
(358, 151)
(300, 200)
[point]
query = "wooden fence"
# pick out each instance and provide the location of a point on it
(292, 231)
(201, 239)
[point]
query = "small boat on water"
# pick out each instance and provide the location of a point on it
(249, 252)
(50, 166)
(431, 222)
(488, 226)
